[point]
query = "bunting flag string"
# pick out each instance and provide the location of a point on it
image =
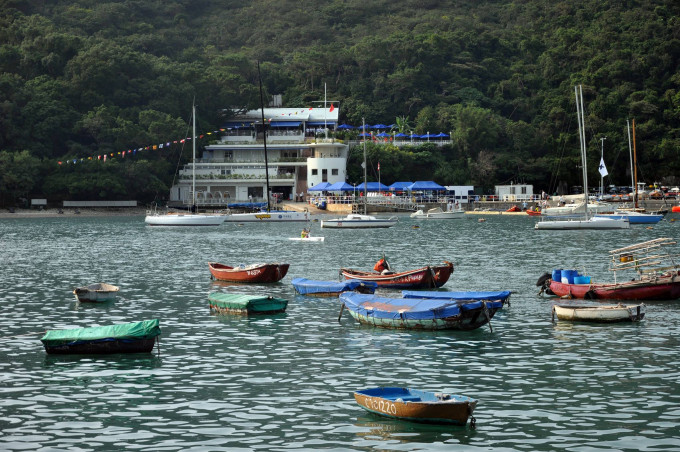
(165, 145)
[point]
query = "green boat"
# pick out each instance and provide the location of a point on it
(246, 304)
(134, 337)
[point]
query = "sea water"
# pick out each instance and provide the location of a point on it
(285, 382)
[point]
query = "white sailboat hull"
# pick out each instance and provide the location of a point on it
(181, 219)
(267, 217)
(354, 221)
(592, 223)
(440, 215)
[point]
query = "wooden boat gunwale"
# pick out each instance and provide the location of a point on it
(270, 272)
(428, 276)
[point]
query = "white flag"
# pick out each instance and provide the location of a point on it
(602, 168)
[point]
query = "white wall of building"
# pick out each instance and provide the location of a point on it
(513, 192)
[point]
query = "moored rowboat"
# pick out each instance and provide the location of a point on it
(246, 304)
(600, 314)
(96, 293)
(135, 337)
(418, 406)
(315, 288)
(254, 273)
(425, 277)
(419, 313)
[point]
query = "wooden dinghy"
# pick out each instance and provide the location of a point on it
(254, 273)
(135, 337)
(96, 293)
(418, 406)
(419, 313)
(246, 304)
(599, 314)
(420, 278)
(315, 288)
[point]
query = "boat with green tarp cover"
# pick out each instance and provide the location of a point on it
(246, 304)
(134, 337)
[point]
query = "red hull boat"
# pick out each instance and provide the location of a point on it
(425, 277)
(661, 288)
(255, 273)
(658, 276)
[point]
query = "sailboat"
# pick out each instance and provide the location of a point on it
(634, 215)
(586, 222)
(268, 215)
(359, 221)
(191, 218)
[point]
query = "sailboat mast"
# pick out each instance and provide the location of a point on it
(635, 196)
(193, 161)
(632, 175)
(581, 133)
(264, 136)
(363, 121)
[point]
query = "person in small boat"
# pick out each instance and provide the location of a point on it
(305, 233)
(382, 266)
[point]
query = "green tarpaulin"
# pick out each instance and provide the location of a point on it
(145, 329)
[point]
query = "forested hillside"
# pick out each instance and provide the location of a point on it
(85, 78)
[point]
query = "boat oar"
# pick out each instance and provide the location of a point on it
(342, 307)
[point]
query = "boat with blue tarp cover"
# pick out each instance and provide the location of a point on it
(305, 286)
(502, 295)
(419, 313)
(418, 406)
(134, 337)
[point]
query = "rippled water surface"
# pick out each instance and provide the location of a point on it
(285, 382)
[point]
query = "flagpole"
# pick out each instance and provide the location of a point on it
(601, 175)
(325, 110)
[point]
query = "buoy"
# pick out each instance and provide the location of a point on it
(482, 220)
(672, 220)
(415, 227)
(649, 227)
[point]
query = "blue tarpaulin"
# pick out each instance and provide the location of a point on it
(306, 286)
(502, 295)
(373, 186)
(400, 186)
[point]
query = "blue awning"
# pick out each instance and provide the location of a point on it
(317, 123)
(284, 124)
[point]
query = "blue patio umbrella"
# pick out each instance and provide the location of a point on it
(442, 135)
(345, 127)
(365, 134)
(401, 135)
(319, 187)
(380, 126)
(383, 134)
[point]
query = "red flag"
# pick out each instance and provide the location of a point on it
(332, 107)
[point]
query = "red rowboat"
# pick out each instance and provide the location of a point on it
(425, 277)
(255, 273)
(658, 276)
(665, 287)
(534, 213)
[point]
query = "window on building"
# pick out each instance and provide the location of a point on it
(524, 190)
(334, 172)
(324, 175)
(315, 172)
(512, 190)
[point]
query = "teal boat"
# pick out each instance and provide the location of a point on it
(246, 304)
(134, 337)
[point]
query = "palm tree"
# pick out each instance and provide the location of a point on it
(402, 125)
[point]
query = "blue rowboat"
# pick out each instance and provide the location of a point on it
(418, 406)
(134, 337)
(316, 288)
(419, 313)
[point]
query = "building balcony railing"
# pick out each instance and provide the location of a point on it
(204, 177)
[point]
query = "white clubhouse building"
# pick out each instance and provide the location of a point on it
(299, 156)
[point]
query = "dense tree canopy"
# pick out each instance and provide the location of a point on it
(84, 77)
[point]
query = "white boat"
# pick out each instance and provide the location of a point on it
(438, 214)
(96, 293)
(599, 314)
(308, 239)
(186, 219)
(358, 221)
(267, 216)
(574, 208)
(585, 222)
